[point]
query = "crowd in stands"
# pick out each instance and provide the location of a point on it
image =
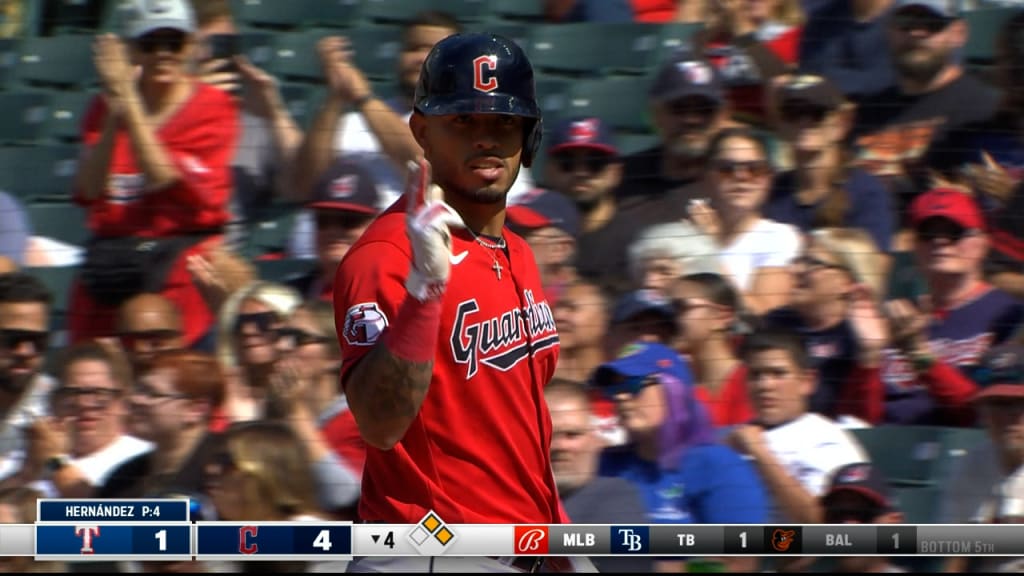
(792, 295)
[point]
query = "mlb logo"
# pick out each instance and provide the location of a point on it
(630, 540)
(344, 186)
(531, 540)
(584, 130)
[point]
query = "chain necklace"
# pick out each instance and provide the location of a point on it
(493, 247)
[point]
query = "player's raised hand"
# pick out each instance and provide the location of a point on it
(428, 218)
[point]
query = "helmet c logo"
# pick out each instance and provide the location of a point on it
(480, 63)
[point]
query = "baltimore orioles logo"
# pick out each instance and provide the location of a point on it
(782, 539)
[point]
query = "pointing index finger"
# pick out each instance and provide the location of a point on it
(417, 184)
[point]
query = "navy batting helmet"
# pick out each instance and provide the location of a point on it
(481, 74)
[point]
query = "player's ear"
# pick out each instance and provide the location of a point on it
(418, 126)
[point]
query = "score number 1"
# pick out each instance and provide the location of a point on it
(161, 540)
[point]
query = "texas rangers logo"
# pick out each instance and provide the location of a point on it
(364, 324)
(87, 534)
(484, 67)
(501, 341)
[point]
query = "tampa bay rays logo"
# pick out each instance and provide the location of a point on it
(484, 78)
(501, 341)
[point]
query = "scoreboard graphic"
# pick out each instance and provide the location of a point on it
(144, 530)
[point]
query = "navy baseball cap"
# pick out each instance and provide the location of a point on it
(636, 364)
(862, 478)
(945, 8)
(809, 89)
(542, 208)
(685, 76)
(582, 133)
(1000, 372)
(640, 302)
(348, 186)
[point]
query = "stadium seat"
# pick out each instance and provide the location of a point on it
(301, 99)
(282, 270)
(268, 233)
(274, 14)
(400, 11)
(66, 111)
(620, 102)
(552, 92)
(337, 13)
(62, 221)
(920, 504)
(915, 456)
(632, 143)
(58, 280)
(985, 25)
(518, 10)
(9, 48)
(257, 45)
(60, 17)
(567, 49)
(25, 117)
(515, 31)
(904, 280)
(376, 50)
(58, 61)
(38, 172)
(294, 57)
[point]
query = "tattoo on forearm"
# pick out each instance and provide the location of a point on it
(397, 387)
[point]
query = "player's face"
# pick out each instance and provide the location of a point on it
(574, 444)
(24, 333)
(163, 55)
(473, 156)
(336, 232)
(417, 44)
(739, 176)
(778, 388)
(256, 333)
(93, 402)
(581, 317)
(945, 247)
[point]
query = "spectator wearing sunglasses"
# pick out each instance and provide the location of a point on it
(938, 340)
(24, 388)
(345, 202)
(859, 494)
(836, 308)
(146, 325)
(155, 170)
(684, 474)
(549, 222)
(755, 251)
(824, 189)
(247, 336)
(87, 439)
(304, 394)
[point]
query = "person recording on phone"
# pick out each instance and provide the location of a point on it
(269, 135)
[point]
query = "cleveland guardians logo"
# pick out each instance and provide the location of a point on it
(484, 78)
(531, 540)
(364, 324)
(246, 535)
(782, 539)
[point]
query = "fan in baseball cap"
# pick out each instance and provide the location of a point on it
(687, 75)
(807, 90)
(348, 186)
(864, 480)
(542, 208)
(947, 9)
(1000, 373)
(953, 205)
(144, 16)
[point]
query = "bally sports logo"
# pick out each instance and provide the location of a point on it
(531, 540)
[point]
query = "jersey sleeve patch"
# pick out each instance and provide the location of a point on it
(364, 324)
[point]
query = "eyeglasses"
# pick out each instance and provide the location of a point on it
(99, 397)
(12, 338)
(796, 113)
(592, 162)
(144, 391)
(265, 322)
(626, 385)
(812, 263)
(343, 219)
(924, 20)
(943, 230)
(160, 337)
(733, 168)
(297, 338)
(172, 41)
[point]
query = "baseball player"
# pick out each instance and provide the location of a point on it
(447, 338)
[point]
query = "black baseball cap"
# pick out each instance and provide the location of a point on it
(643, 301)
(348, 186)
(807, 89)
(688, 75)
(865, 479)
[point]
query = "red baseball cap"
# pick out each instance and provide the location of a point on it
(947, 203)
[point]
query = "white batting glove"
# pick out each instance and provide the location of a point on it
(427, 221)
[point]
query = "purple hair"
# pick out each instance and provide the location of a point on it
(687, 424)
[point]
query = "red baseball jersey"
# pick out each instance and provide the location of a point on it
(478, 451)
(200, 140)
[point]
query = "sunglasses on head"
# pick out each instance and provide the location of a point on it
(12, 339)
(631, 385)
(593, 162)
(733, 168)
(297, 338)
(264, 321)
(155, 41)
